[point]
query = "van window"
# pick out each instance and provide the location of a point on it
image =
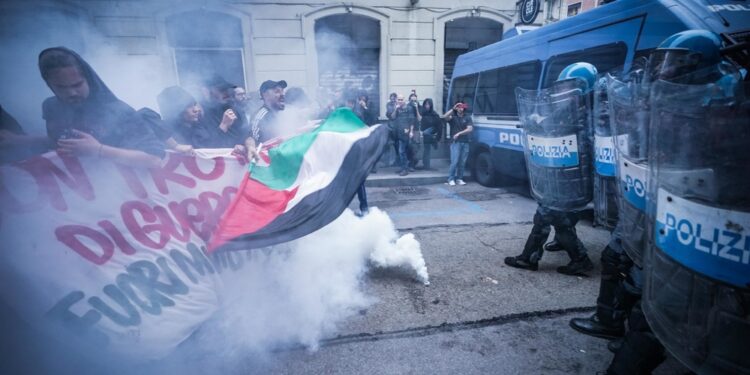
(496, 88)
(604, 58)
(463, 90)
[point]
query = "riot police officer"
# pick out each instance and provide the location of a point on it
(697, 291)
(696, 305)
(557, 125)
(620, 285)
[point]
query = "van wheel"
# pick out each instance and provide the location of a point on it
(484, 172)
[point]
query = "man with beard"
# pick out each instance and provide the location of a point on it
(225, 123)
(262, 127)
(85, 118)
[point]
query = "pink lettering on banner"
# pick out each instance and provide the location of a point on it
(141, 232)
(49, 180)
(131, 179)
(151, 227)
(168, 172)
(146, 223)
(69, 235)
(47, 176)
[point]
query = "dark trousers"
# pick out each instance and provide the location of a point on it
(565, 234)
(403, 153)
(362, 197)
(620, 285)
(428, 136)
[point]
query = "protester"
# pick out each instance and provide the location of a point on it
(363, 110)
(414, 102)
(415, 143)
(85, 118)
(183, 120)
(263, 122)
(432, 130)
(405, 122)
(390, 113)
(242, 103)
(364, 208)
(240, 97)
(460, 127)
(224, 121)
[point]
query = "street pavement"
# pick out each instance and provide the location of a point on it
(478, 316)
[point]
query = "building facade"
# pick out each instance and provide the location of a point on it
(373, 46)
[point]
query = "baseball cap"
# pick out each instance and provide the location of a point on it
(267, 85)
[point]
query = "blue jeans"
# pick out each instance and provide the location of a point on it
(403, 154)
(459, 154)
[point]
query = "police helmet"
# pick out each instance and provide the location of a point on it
(580, 70)
(685, 52)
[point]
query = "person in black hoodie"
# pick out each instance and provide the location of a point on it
(184, 127)
(226, 124)
(432, 130)
(85, 118)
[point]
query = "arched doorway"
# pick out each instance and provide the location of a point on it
(348, 54)
(199, 54)
(24, 33)
(463, 35)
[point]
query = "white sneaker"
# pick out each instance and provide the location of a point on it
(461, 182)
(452, 183)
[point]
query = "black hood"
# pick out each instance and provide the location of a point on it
(173, 101)
(424, 104)
(98, 91)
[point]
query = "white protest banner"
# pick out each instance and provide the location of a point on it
(113, 255)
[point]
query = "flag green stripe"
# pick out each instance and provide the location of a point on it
(287, 157)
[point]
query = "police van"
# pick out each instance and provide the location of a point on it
(610, 37)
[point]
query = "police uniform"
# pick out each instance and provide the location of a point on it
(557, 130)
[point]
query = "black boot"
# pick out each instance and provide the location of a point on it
(553, 246)
(522, 263)
(593, 326)
(577, 267)
(615, 345)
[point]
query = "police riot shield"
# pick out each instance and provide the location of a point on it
(629, 120)
(697, 290)
(605, 183)
(557, 146)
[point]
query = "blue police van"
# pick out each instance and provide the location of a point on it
(610, 37)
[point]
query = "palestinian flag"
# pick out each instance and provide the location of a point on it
(301, 183)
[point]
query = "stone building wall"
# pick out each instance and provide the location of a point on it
(278, 38)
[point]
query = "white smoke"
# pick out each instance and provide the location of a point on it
(405, 252)
(299, 292)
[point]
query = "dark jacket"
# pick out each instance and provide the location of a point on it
(108, 119)
(406, 118)
(431, 122)
(213, 136)
(173, 101)
(458, 124)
